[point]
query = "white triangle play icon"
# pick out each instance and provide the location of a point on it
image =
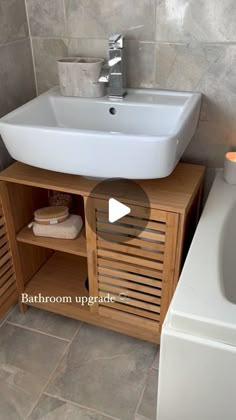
(117, 210)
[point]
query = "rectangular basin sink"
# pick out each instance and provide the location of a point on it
(142, 136)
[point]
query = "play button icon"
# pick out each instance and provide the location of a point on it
(109, 202)
(117, 210)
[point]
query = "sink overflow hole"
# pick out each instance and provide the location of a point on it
(112, 111)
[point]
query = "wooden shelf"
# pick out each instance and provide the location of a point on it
(62, 275)
(71, 246)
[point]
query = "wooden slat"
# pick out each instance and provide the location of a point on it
(5, 268)
(127, 249)
(135, 210)
(130, 285)
(3, 240)
(7, 274)
(2, 230)
(146, 244)
(169, 262)
(8, 290)
(134, 221)
(135, 303)
(130, 293)
(133, 277)
(136, 311)
(6, 304)
(4, 249)
(130, 259)
(130, 231)
(129, 267)
(11, 290)
(5, 258)
(7, 284)
(130, 319)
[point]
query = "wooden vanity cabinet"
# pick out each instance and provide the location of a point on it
(140, 273)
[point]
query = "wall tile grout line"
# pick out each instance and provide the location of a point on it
(5, 44)
(138, 41)
(65, 17)
(155, 33)
(50, 377)
(31, 47)
(80, 406)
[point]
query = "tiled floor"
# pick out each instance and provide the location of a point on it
(56, 368)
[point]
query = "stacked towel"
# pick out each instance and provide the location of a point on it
(69, 229)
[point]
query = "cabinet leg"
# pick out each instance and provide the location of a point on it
(23, 307)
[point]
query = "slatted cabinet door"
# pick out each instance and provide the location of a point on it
(8, 287)
(139, 272)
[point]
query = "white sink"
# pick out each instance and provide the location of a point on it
(145, 136)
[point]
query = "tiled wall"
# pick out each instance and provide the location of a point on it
(17, 84)
(172, 44)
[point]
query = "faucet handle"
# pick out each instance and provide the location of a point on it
(116, 41)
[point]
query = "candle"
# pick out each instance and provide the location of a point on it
(230, 167)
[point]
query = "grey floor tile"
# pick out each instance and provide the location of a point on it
(147, 408)
(3, 318)
(140, 417)
(27, 359)
(156, 361)
(46, 322)
(50, 408)
(104, 370)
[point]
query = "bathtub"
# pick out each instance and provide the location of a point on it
(197, 377)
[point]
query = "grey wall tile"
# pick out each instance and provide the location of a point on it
(54, 409)
(208, 145)
(27, 359)
(100, 18)
(209, 179)
(140, 64)
(17, 84)
(47, 17)
(140, 58)
(104, 370)
(201, 20)
(46, 52)
(210, 69)
(13, 21)
(88, 47)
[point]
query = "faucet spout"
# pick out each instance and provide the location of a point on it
(114, 71)
(105, 74)
(106, 69)
(114, 61)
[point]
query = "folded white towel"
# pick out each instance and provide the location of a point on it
(69, 229)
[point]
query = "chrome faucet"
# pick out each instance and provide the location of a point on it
(114, 72)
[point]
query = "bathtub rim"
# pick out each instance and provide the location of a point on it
(199, 306)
